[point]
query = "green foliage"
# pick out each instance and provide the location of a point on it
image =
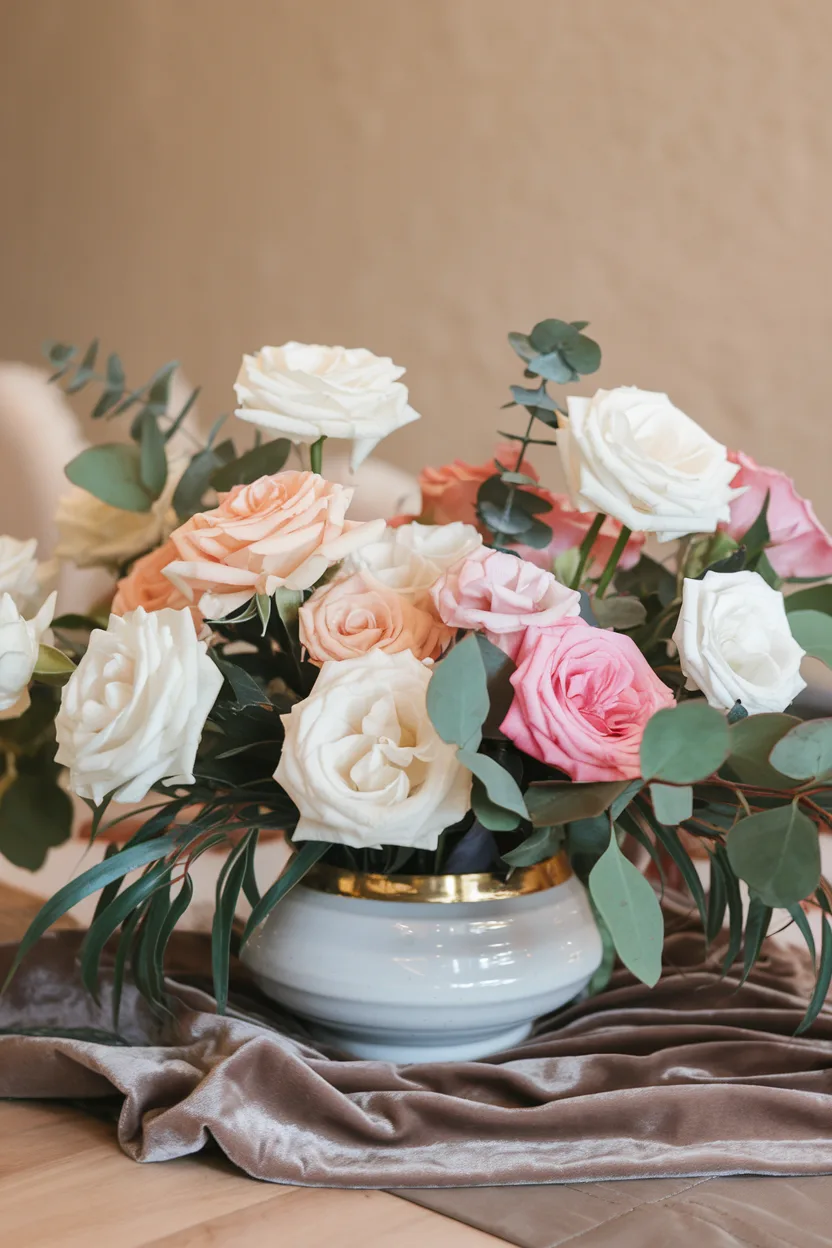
(673, 805)
(805, 751)
(542, 844)
(619, 612)
(296, 868)
(818, 598)
(261, 461)
(556, 802)
(630, 909)
(35, 816)
(777, 853)
(113, 473)
(684, 744)
(813, 631)
(457, 699)
(199, 476)
(500, 786)
(751, 742)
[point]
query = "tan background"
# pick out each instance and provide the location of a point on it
(198, 177)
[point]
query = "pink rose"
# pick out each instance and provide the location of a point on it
(450, 493)
(800, 545)
(582, 697)
(146, 586)
(348, 618)
(501, 595)
(569, 528)
(282, 530)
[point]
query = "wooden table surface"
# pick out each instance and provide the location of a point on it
(64, 1183)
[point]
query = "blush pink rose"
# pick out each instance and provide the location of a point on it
(500, 595)
(582, 697)
(800, 545)
(282, 530)
(570, 527)
(348, 618)
(450, 493)
(147, 586)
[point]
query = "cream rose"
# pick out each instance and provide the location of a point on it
(309, 392)
(633, 455)
(282, 530)
(93, 533)
(19, 643)
(411, 558)
(362, 761)
(735, 644)
(133, 711)
(21, 576)
(348, 618)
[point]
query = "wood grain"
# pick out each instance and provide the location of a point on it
(64, 1183)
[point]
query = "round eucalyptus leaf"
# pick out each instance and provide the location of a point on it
(684, 744)
(777, 853)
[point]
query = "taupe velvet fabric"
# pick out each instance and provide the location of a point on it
(694, 1077)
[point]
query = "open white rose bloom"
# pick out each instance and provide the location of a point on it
(306, 392)
(412, 557)
(19, 644)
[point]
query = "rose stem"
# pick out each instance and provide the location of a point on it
(612, 563)
(586, 549)
(316, 455)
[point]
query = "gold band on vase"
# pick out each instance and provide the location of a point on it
(438, 888)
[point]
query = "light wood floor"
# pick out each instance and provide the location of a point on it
(64, 1183)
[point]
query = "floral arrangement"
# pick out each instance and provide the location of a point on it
(503, 677)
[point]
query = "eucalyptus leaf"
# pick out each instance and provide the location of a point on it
(457, 698)
(752, 740)
(551, 334)
(261, 461)
(619, 612)
(813, 631)
(818, 598)
(490, 814)
(538, 398)
(557, 802)
(583, 354)
(500, 785)
(512, 520)
(554, 367)
(805, 751)
(777, 853)
(518, 342)
(152, 455)
(672, 804)
(542, 844)
(112, 473)
(630, 909)
(684, 744)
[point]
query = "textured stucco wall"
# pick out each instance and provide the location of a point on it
(197, 177)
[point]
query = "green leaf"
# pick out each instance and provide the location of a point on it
(542, 844)
(535, 398)
(669, 839)
(802, 923)
(35, 816)
(583, 354)
(805, 751)
(554, 367)
(457, 699)
(194, 481)
(823, 980)
(813, 631)
(86, 369)
(556, 802)
(160, 382)
(777, 853)
(752, 741)
(684, 744)
(229, 887)
(565, 565)
(116, 913)
(720, 863)
(630, 909)
(500, 785)
(492, 816)
(513, 520)
(52, 662)
(182, 414)
(262, 461)
(518, 342)
(59, 353)
(619, 612)
(152, 456)
(717, 901)
(818, 598)
(756, 927)
(296, 868)
(551, 334)
(672, 805)
(247, 689)
(758, 536)
(647, 578)
(90, 881)
(112, 473)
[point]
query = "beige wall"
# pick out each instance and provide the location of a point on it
(197, 177)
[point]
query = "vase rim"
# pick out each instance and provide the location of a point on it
(472, 887)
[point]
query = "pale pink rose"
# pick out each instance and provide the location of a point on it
(582, 698)
(800, 545)
(146, 586)
(500, 595)
(282, 530)
(450, 493)
(570, 527)
(348, 618)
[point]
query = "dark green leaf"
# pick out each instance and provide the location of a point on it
(35, 816)
(717, 901)
(752, 741)
(457, 699)
(684, 744)
(758, 536)
(229, 886)
(252, 892)
(492, 816)
(247, 689)
(116, 913)
(813, 631)
(59, 353)
(756, 927)
(818, 598)
(777, 853)
(501, 787)
(262, 461)
(802, 923)
(619, 612)
(630, 909)
(538, 535)
(518, 342)
(153, 460)
(542, 844)
(535, 398)
(182, 414)
(499, 669)
(112, 472)
(193, 483)
(512, 520)
(805, 751)
(296, 868)
(669, 839)
(823, 980)
(556, 802)
(647, 578)
(106, 402)
(719, 860)
(551, 334)
(583, 354)
(86, 369)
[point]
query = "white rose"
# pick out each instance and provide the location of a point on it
(362, 761)
(21, 575)
(735, 644)
(133, 711)
(412, 557)
(93, 533)
(309, 392)
(633, 455)
(19, 643)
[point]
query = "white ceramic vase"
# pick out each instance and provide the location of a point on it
(426, 980)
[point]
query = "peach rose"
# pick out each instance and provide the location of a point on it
(146, 586)
(582, 698)
(800, 545)
(282, 530)
(569, 528)
(450, 493)
(348, 618)
(501, 595)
